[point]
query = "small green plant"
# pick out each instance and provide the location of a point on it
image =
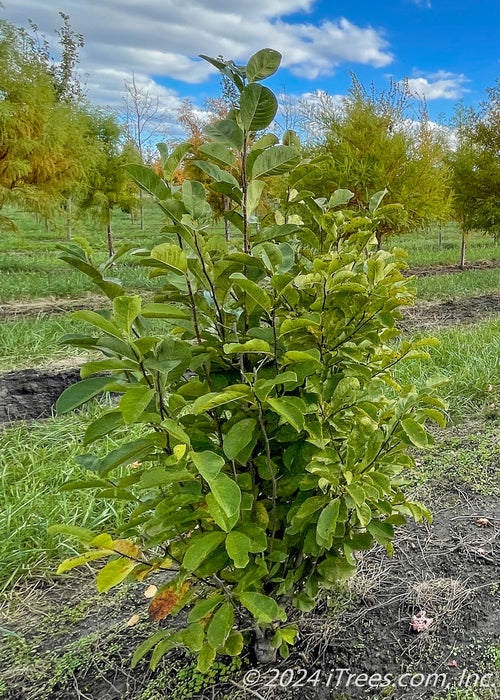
(273, 431)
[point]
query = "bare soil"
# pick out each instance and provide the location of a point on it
(429, 270)
(453, 312)
(32, 393)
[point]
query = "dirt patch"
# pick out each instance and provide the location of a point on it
(452, 312)
(51, 305)
(428, 271)
(31, 393)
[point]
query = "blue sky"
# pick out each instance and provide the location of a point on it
(448, 50)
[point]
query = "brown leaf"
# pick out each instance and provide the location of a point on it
(150, 591)
(483, 522)
(165, 601)
(133, 620)
(127, 548)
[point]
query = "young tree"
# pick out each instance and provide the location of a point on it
(144, 124)
(372, 143)
(108, 186)
(476, 168)
(263, 415)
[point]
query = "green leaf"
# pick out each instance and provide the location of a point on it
(218, 174)
(254, 345)
(336, 568)
(204, 607)
(125, 454)
(102, 426)
(207, 463)
(288, 411)
(98, 321)
(90, 368)
(172, 256)
(327, 522)
(173, 161)
(206, 658)
(238, 545)
(200, 549)
(193, 637)
(226, 132)
(234, 643)
(262, 607)
(219, 153)
(220, 625)
(215, 399)
(254, 193)
(114, 573)
(134, 402)
(225, 522)
(238, 437)
(82, 534)
(339, 198)
(376, 199)
(77, 394)
(383, 532)
(262, 64)
(258, 107)
(227, 494)
(148, 180)
(415, 432)
(175, 430)
(275, 161)
(147, 645)
(164, 311)
(68, 564)
(194, 198)
(259, 295)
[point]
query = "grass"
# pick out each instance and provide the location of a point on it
(30, 342)
(458, 284)
(34, 461)
(424, 249)
(470, 357)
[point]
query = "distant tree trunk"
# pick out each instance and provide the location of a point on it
(68, 219)
(46, 224)
(141, 211)
(379, 240)
(132, 217)
(465, 237)
(440, 236)
(225, 207)
(111, 247)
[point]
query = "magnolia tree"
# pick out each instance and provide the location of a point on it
(262, 431)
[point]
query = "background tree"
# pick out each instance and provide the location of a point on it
(108, 185)
(373, 142)
(144, 124)
(476, 168)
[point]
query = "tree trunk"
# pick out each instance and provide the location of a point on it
(465, 236)
(68, 219)
(225, 207)
(141, 211)
(440, 236)
(111, 247)
(379, 240)
(46, 224)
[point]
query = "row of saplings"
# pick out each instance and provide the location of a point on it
(261, 431)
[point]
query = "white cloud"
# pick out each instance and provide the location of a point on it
(440, 85)
(423, 3)
(162, 38)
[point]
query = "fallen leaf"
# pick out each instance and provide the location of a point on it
(483, 522)
(452, 664)
(420, 622)
(150, 591)
(481, 552)
(133, 621)
(136, 465)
